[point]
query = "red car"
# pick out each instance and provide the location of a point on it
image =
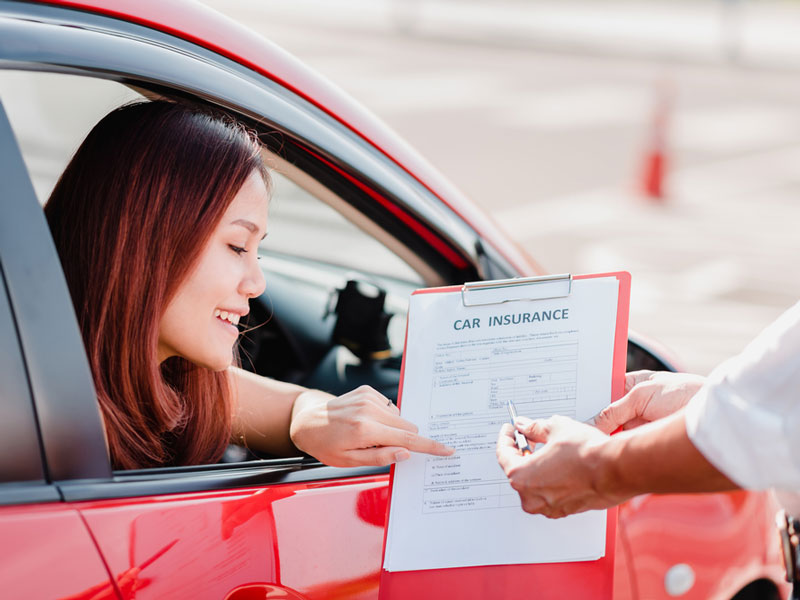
(352, 202)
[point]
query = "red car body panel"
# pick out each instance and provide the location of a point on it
(205, 27)
(714, 533)
(280, 542)
(47, 552)
(250, 541)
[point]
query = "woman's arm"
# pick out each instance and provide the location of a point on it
(262, 412)
(361, 427)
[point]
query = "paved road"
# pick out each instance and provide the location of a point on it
(550, 140)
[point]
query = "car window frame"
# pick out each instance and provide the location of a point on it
(216, 477)
(20, 445)
(72, 439)
(22, 474)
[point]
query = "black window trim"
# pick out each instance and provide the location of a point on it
(21, 457)
(204, 478)
(57, 368)
(22, 476)
(27, 492)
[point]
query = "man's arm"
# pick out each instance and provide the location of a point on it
(656, 458)
(579, 468)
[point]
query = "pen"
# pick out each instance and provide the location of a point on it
(522, 441)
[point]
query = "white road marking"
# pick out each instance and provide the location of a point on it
(577, 107)
(734, 128)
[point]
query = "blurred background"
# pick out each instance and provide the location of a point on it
(657, 137)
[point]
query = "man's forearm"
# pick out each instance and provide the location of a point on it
(655, 458)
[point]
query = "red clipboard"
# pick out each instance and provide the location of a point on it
(556, 581)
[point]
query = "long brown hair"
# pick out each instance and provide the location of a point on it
(129, 217)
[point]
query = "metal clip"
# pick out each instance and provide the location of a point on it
(548, 288)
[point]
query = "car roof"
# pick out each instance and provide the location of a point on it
(202, 25)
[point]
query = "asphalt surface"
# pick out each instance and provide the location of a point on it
(542, 113)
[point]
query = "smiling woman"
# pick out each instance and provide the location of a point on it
(157, 220)
(199, 321)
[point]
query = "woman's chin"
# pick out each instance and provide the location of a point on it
(222, 365)
(214, 363)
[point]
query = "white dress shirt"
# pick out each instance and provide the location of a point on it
(746, 418)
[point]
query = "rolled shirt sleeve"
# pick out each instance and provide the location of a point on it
(746, 419)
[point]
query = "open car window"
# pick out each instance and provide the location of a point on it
(302, 225)
(316, 242)
(51, 114)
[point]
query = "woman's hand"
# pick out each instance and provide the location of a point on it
(361, 427)
(649, 396)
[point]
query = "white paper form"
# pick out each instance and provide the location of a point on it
(461, 365)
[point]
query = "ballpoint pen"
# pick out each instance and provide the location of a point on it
(522, 441)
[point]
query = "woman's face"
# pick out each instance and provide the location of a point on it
(199, 323)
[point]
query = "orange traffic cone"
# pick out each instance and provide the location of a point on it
(655, 160)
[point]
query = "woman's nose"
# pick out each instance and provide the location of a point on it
(253, 283)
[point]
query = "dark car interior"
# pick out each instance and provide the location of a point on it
(305, 341)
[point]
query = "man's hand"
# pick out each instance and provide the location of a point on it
(359, 428)
(649, 396)
(560, 478)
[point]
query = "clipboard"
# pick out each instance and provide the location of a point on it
(553, 580)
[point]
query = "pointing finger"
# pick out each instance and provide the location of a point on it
(396, 421)
(380, 457)
(414, 443)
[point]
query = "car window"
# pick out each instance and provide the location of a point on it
(310, 227)
(51, 113)
(302, 225)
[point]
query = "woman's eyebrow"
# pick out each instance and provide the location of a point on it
(249, 225)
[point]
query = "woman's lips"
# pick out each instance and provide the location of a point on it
(229, 327)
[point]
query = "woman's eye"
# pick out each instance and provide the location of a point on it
(237, 249)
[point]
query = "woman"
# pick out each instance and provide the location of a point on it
(157, 221)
